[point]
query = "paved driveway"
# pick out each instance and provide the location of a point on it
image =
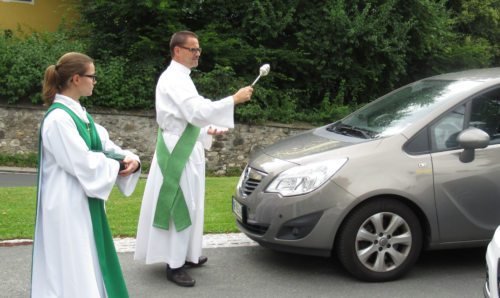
(254, 271)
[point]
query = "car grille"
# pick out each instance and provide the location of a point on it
(251, 180)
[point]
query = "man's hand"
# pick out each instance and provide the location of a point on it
(131, 165)
(243, 95)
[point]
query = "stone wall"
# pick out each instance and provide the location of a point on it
(137, 131)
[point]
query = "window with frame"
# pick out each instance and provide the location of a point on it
(445, 131)
(485, 114)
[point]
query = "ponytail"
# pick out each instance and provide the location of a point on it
(50, 85)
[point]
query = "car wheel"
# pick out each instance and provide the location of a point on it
(380, 240)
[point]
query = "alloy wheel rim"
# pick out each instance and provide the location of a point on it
(383, 242)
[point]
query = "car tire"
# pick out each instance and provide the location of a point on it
(380, 240)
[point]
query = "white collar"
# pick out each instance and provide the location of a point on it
(73, 105)
(179, 67)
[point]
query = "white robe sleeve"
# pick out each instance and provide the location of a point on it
(178, 103)
(125, 184)
(205, 138)
(198, 110)
(95, 173)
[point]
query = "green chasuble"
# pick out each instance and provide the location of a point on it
(108, 260)
(171, 203)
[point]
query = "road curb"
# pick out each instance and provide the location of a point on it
(128, 244)
(18, 170)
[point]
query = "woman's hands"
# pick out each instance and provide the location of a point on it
(131, 165)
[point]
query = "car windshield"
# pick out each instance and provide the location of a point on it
(395, 111)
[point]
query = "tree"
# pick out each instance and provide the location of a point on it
(478, 24)
(327, 56)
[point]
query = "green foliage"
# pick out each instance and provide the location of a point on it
(124, 84)
(137, 30)
(269, 103)
(216, 83)
(471, 53)
(129, 41)
(478, 22)
(29, 160)
(234, 172)
(329, 111)
(327, 57)
(23, 60)
(329, 54)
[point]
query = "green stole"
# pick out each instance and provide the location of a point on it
(108, 259)
(171, 203)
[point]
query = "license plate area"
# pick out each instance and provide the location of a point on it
(239, 211)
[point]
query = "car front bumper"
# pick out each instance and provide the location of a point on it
(305, 224)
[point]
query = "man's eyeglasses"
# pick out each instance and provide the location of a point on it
(93, 77)
(192, 50)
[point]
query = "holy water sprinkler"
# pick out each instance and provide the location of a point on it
(263, 71)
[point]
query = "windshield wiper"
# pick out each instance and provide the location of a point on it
(349, 130)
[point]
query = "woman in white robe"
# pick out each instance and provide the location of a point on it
(65, 259)
(177, 104)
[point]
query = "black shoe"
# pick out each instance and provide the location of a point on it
(180, 277)
(202, 260)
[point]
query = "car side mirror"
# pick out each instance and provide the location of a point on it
(471, 139)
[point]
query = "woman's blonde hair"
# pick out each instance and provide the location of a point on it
(57, 77)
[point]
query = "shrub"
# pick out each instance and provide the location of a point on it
(23, 60)
(123, 84)
(29, 160)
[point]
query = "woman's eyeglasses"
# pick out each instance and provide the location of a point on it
(93, 77)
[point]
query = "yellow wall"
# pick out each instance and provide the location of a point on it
(42, 15)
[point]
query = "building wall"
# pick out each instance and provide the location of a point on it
(36, 15)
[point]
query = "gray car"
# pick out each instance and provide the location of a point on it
(418, 168)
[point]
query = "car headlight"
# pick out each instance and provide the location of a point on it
(303, 179)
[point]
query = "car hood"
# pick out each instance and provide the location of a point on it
(309, 143)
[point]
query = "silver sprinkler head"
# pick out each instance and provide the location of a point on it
(263, 71)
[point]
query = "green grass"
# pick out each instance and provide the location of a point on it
(17, 212)
(17, 209)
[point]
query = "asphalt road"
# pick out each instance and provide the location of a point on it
(14, 179)
(259, 272)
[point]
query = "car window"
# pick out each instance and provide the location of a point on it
(396, 111)
(485, 114)
(444, 132)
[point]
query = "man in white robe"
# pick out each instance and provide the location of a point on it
(177, 105)
(65, 259)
